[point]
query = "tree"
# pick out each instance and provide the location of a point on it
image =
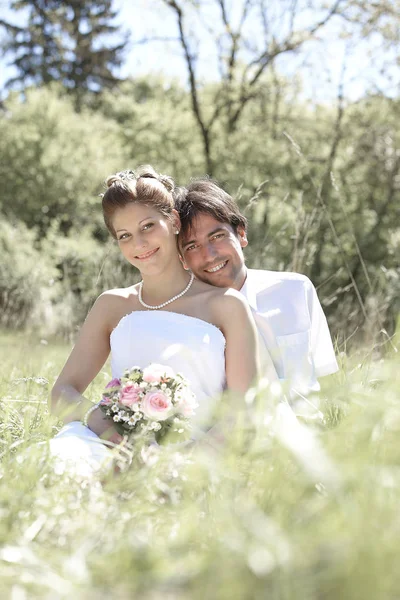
(65, 41)
(248, 43)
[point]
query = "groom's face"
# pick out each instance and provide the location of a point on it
(213, 251)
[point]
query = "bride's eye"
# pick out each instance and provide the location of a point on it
(123, 236)
(147, 226)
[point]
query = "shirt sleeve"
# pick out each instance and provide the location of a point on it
(321, 343)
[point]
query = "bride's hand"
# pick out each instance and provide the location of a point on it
(103, 427)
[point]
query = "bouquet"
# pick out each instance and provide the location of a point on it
(154, 400)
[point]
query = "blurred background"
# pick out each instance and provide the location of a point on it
(291, 105)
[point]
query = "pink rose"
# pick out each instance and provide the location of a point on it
(130, 394)
(114, 383)
(156, 406)
(187, 403)
(156, 373)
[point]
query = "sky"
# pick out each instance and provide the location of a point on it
(321, 65)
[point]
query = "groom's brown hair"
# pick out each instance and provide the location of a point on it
(204, 196)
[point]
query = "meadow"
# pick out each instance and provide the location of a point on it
(277, 513)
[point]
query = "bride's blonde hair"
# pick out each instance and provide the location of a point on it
(144, 186)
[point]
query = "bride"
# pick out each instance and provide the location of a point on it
(204, 332)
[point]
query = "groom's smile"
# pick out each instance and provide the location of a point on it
(217, 268)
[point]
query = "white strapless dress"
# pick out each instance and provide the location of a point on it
(190, 346)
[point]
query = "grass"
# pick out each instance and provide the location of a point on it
(306, 513)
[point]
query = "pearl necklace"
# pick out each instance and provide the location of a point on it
(168, 301)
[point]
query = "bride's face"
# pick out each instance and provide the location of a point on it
(146, 237)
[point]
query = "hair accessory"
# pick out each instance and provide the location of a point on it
(128, 174)
(168, 301)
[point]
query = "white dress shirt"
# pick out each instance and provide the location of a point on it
(292, 327)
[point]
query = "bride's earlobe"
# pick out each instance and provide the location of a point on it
(176, 222)
(184, 265)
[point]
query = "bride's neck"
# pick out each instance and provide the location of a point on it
(159, 288)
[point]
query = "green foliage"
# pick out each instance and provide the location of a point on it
(24, 275)
(156, 125)
(263, 517)
(53, 160)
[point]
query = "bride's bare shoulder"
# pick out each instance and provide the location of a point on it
(112, 304)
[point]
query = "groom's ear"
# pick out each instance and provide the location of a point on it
(242, 236)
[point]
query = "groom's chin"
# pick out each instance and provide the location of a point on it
(218, 279)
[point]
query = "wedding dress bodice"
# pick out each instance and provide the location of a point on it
(190, 346)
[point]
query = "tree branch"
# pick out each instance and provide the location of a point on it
(193, 84)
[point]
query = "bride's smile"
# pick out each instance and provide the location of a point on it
(147, 255)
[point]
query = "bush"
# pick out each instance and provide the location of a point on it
(53, 160)
(25, 274)
(84, 269)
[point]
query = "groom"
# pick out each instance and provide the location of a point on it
(291, 324)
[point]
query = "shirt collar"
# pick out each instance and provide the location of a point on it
(249, 291)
